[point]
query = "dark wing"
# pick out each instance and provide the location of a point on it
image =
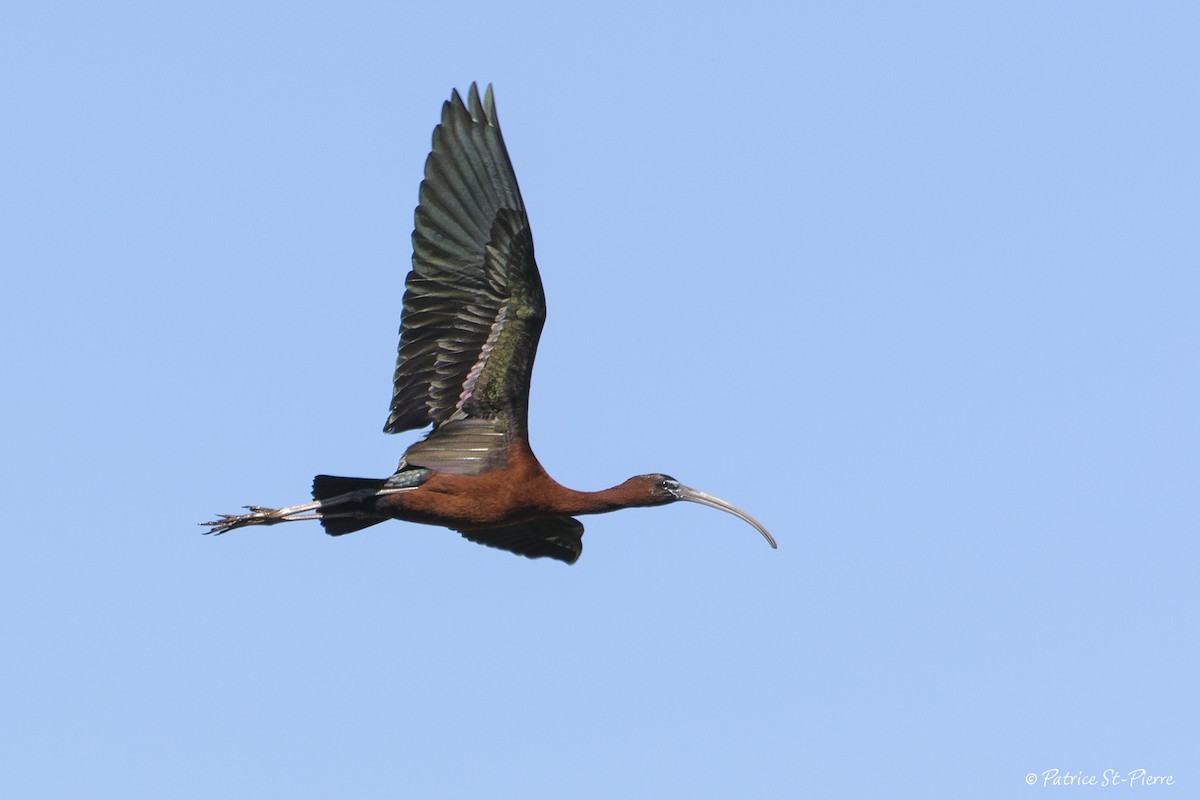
(473, 306)
(552, 537)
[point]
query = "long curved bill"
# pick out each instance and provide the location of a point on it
(705, 499)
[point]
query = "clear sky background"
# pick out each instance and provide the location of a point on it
(915, 283)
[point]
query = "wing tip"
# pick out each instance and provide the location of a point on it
(480, 110)
(489, 106)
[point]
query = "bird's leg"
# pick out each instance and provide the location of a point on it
(260, 516)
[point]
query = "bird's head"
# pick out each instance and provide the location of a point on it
(657, 489)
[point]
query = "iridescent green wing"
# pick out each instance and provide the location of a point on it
(473, 305)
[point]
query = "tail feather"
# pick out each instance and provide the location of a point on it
(350, 516)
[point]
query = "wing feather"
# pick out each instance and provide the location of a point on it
(559, 538)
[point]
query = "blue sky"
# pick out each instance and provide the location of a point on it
(915, 284)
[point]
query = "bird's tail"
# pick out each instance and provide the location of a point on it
(350, 514)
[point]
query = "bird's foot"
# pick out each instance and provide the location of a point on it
(259, 515)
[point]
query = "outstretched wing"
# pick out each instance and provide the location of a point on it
(473, 305)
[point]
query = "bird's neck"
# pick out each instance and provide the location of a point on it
(558, 499)
(621, 496)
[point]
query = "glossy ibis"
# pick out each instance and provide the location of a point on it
(473, 312)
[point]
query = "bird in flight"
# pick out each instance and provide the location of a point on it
(473, 313)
